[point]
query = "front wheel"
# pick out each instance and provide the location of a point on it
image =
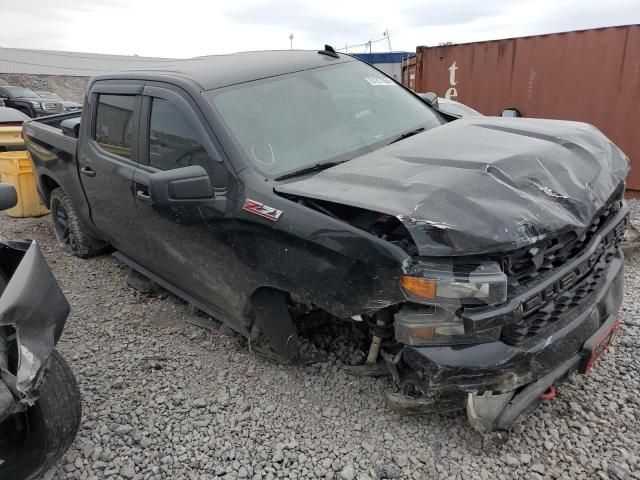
(32, 441)
(70, 232)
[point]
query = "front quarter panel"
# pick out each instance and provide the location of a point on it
(319, 259)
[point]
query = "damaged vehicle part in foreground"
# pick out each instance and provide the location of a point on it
(39, 398)
(480, 255)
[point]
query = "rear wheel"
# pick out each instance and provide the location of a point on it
(70, 232)
(32, 441)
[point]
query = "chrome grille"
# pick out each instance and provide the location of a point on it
(52, 107)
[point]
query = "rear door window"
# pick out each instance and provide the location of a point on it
(114, 124)
(173, 141)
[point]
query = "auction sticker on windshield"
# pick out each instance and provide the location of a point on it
(379, 81)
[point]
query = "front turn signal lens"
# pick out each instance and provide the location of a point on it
(418, 286)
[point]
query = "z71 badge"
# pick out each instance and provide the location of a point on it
(261, 209)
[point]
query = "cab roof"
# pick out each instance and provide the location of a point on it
(216, 71)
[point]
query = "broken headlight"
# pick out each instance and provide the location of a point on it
(420, 325)
(445, 283)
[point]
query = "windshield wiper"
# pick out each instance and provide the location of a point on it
(408, 134)
(310, 169)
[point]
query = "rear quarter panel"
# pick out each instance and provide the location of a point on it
(54, 159)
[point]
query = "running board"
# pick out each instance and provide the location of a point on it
(211, 311)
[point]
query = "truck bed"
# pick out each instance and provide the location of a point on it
(53, 149)
(48, 131)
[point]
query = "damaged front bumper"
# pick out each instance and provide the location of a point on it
(489, 412)
(33, 311)
(498, 381)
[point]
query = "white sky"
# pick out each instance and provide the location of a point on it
(186, 28)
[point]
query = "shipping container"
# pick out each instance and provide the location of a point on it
(409, 72)
(591, 76)
(389, 62)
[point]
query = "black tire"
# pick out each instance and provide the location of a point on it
(31, 442)
(4, 280)
(69, 230)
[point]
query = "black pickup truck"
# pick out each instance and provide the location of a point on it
(481, 255)
(28, 102)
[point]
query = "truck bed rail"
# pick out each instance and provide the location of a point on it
(48, 131)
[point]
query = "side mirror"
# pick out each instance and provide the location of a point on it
(431, 98)
(70, 127)
(180, 187)
(8, 196)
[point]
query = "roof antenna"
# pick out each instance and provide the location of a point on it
(329, 51)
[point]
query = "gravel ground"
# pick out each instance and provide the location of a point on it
(163, 398)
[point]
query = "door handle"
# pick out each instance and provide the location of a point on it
(144, 197)
(89, 172)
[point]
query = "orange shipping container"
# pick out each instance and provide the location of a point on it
(591, 76)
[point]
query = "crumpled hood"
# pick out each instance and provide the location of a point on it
(480, 184)
(33, 303)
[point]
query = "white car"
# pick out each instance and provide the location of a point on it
(456, 109)
(12, 116)
(448, 107)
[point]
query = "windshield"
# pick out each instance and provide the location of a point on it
(20, 92)
(328, 114)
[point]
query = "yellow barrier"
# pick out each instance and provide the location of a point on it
(16, 169)
(11, 136)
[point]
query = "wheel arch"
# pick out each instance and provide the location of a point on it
(47, 185)
(269, 308)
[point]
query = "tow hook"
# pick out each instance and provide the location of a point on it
(549, 394)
